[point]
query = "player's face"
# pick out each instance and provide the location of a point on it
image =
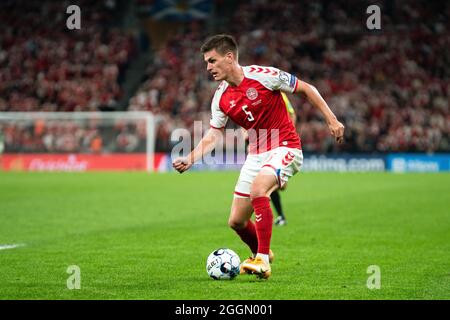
(218, 65)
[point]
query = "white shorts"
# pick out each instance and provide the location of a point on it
(282, 162)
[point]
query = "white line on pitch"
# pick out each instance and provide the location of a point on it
(11, 246)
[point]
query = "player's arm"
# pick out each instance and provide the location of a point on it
(209, 141)
(206, 144)
(288, 83)
(314, 97)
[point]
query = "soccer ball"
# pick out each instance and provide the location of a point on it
(223, 264)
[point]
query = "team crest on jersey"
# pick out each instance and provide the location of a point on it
(252, 94)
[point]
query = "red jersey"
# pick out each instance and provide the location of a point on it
(256, 104)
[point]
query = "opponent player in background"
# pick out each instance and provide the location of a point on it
(275, 195)
(251, 97)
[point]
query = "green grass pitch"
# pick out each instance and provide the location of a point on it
(147, 236)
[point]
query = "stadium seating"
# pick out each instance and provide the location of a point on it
(389, 87)
(46, 67)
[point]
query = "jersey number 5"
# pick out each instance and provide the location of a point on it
(248, 113)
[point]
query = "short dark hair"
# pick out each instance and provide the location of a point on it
(223, 43)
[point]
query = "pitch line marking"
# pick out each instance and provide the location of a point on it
(11, 246)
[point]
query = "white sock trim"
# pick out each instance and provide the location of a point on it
(265, 257)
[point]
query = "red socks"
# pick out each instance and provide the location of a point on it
(248, 235)
(264, 220)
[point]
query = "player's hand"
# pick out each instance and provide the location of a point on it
(181, 164)
(337, 130)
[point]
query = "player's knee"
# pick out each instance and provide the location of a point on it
(257, 191)
(236, 224)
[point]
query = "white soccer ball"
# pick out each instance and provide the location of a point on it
(223, 264)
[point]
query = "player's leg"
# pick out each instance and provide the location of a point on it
(241, 208)
(240, 222)
(263, 185)
(275, 172)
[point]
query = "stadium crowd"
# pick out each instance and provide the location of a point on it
(93, 136)
(47, 67)
(390, 86)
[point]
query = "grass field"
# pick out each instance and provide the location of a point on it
(147, 236)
